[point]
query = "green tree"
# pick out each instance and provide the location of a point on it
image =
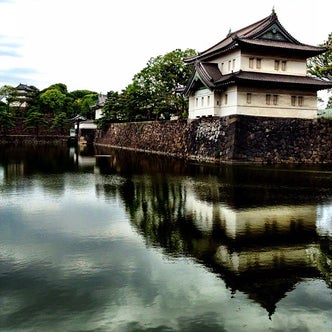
(88, 101)
(60, 121)
(6, 119)
(35, 120)
(112, 110)
(321, 65)
(82, 102)
(52, 101)
(156, 84)
(60, 87)
(8, 94)
(79, 94)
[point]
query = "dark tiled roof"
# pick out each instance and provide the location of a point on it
(307, 50)
(210, 76)
(24, 87)
(209, 72)
(204, 74)
(255, 34)
(274, 80)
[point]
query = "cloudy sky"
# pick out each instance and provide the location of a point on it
(101, 44)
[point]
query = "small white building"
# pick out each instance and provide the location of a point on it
(259, 70)
(98, 107)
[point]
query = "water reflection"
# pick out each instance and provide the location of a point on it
(256, 228)
(100, 237)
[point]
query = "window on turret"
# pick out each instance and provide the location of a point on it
(196, 102)
(276, 64)
(229, 65)
(275, 99)
(293, 100)
(258, 63)
(268, 99)
(251, 62)
(208, 100)
(300, 101)
(202, 101)
(226, 98)
(248, 98)
(283, 65)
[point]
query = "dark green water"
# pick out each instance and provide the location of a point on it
(117, 241)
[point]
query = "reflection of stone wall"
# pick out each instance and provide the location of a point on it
(233, 138)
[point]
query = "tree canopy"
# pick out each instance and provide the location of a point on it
(321, 65)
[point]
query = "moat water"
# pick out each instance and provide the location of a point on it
(107, 240)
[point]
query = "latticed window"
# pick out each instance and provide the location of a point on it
(248, 98)
(276, 64)
(268, 99)
(275, 99)
(300, 101)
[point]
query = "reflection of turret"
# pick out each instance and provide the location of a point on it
(263, 251)
(254, 227)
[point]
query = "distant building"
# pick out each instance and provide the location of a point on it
(259, 70)
(98, 108)
(24, 93)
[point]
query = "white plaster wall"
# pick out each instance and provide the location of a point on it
(293, 66)
(258, 106)
(235, 62)
(237, 103)
(204, 106)
(231, 106)
(98, 113)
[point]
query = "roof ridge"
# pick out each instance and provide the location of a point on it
(271, 18)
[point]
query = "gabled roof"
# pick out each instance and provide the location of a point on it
(274, 80)
(267, 32)
(24, 87)
(204, 74)
(208, 75)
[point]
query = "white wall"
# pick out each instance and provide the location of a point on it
(229, 63)
(284, 107)
(293, 66)
(202, 103)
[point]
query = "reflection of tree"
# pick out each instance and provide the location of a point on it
(19, 161)
(156, 207)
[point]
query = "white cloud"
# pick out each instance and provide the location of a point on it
(100, 45)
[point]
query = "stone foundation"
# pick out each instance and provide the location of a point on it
(228, 139)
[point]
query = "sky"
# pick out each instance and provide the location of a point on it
(100, 45)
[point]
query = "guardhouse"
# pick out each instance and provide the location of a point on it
(259, 70)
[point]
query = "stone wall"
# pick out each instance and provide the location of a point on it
(227, 139)
(164, 137)
(282, 140)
